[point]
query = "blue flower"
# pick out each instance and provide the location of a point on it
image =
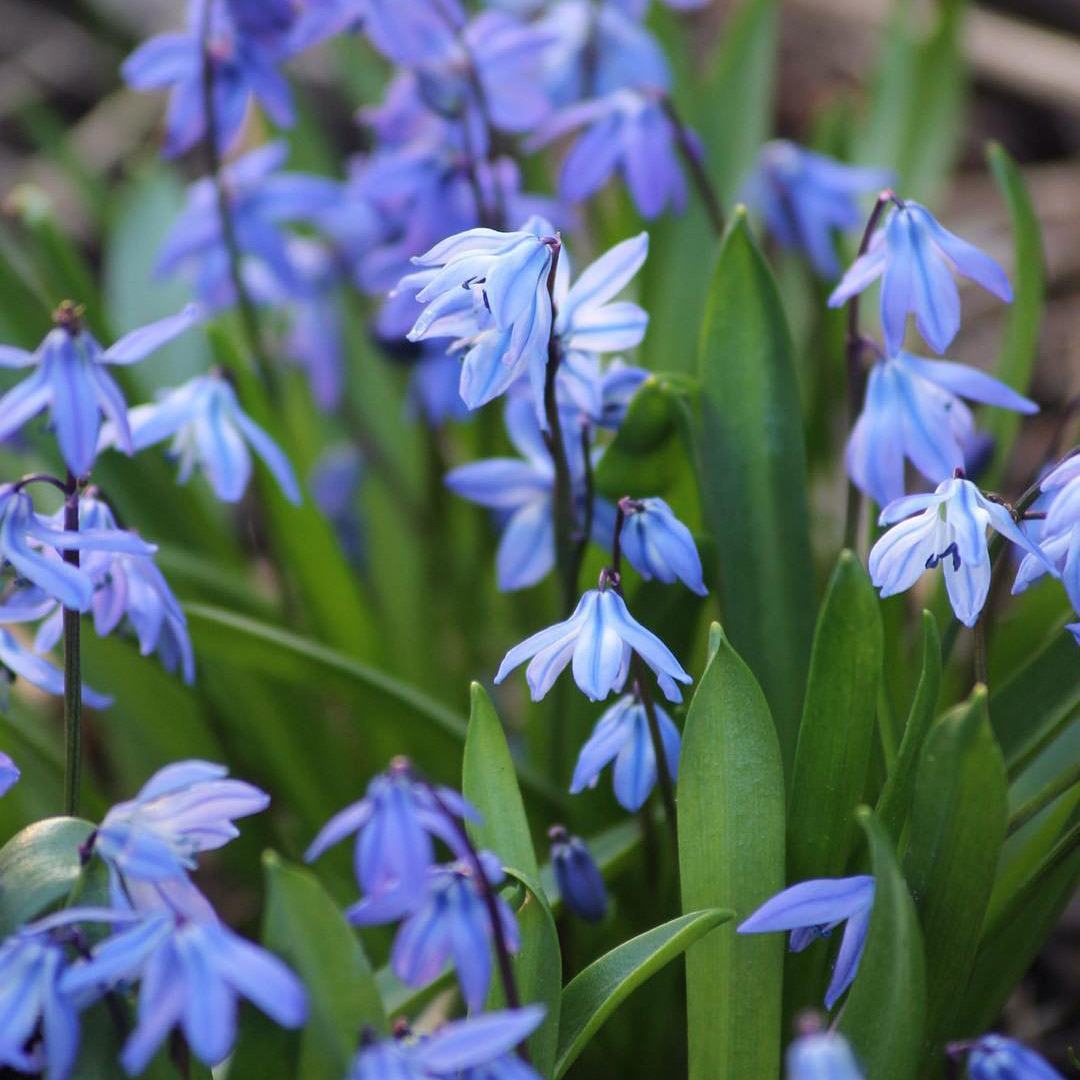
(414, 32)
(913, 410)
(480, 1042)
(626, 132)
(395, 823)
(658, 545)
(449, 922)
(806, 197)
(812, 910)
(9, 772)
(192, 972)
(210, 430)
(947, 527)
(821, 1055)
(261, 200)
(602, 395)
(622, 734)
(71, 381)
(580, 882)
(17, 661)
(334, 482)
(995, 1057)
(23, 533)
(599, 638)
(243, 68)
(914, 254)
(491, 287)
(433, 388)
(183, 809)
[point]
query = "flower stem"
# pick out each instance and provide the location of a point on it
(856, 377)
(244, 303)
(694, 165)
(978, 640)
(72, 669)
(663, 770)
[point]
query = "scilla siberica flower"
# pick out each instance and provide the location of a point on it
(622, 734)
(626, 132)
(601, 394)
(395, 823)
(581, 885)
(192, 971)
(811, 910)
(70, 379)
(913, 410)
(481, 1042)
(209, 430)
(658, 545)
(947, 527)
(9, 773)
(995, 1057)
(915, 256)
(183, 809)
(806, 198)
(821, 1055)
(450, 921)
(599, 638)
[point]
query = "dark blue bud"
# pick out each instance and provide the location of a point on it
(580, 881)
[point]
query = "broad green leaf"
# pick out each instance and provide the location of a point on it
(489, 782)
(304, 925)
(38, 868)
(1020, 342)
(884, 1015)
(595, 993)
(895, 799)
(538, 968)
(957, 828)
(833, 751)
(731, 854)
(754, 477)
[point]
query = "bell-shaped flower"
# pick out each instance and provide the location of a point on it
(601, 394)
(9, 773)
(916, 257)
(627, 132)
(913, 410)
(183, 809)
(491, 288)
(812, 910)
(821, 1055)
(23, 533)
(455, 1050)
(599, 639)
(658, 545)
(622, 735)
(1062, 484)
(947, 527)
(210, 430)
(997, 1057)
(243, 68)
(394, 825)
(581, 885)
(192, 972)
(449, 923)
(71, 381)
(806, 198)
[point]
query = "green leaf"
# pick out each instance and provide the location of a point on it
(39, 867)
(731, 853)
(884, 1013)
(957, 828)
(895, 799)
(833, 752)
(595, 993)
(754, 477)
(305, 927)
(489, 782)
(1020, 341)
(538, 969)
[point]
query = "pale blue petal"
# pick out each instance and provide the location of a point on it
(526, 550)
(272, 455)
(849, 955)
(812, 903)
(968, 382)
(462, 1044)
(968, 259)
(140, 343)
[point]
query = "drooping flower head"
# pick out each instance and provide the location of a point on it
(812, 910)
(821, 1055)
(622, 734)
(581, 885)
(658, 545)
(916, 257)
(913, 411)
(947, 527)
(71, 381)
(996, 1057)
